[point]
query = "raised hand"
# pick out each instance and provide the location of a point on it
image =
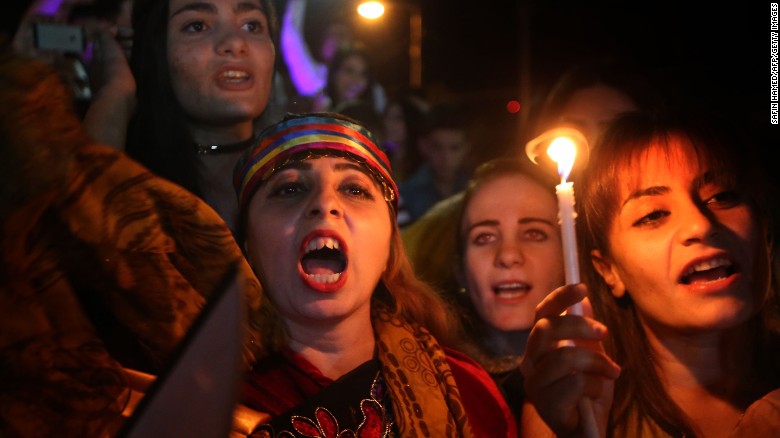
(114, 88)
(558, 372)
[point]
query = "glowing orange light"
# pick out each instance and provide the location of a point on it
(371, 10)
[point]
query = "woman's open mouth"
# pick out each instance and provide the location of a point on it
(511, 290)
(708, 271)
(323, 261)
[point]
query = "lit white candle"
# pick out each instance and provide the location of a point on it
(563, 151)
(565, 192)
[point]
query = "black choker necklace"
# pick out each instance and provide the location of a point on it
(209, 149)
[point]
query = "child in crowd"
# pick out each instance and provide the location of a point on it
(444, 145)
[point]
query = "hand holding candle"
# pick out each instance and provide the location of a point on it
(563, 151)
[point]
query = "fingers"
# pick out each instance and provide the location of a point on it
(109, 65)
(564, 360)
(105, 42)
(545, 361)
(548, 332)
(562, 363)
(558, 405)
(560, 300)
(557, 382)
(551, 328)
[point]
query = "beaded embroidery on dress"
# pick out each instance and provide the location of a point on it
(377, 420)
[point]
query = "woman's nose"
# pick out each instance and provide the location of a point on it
(509, 254)
(324, 202)
(697, 224)
(231, 41)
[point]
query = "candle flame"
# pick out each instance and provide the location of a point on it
(562, 150)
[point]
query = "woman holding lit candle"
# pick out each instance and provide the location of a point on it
(675, 221)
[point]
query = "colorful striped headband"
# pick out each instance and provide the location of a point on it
(319, 132)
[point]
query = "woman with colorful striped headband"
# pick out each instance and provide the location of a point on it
(351, 337)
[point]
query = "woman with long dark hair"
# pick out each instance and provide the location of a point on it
(201, 78)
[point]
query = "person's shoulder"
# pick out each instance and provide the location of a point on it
(772, 398)
(762, 418)
(471, 370)
(142, 211)
(462, 359)
(487, 411)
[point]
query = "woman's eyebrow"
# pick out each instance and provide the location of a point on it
(534, 219)
(649, 191)
(297, 165)
(521, 221)
(351, 166)
(200, 6)
(197, 7)
(482, 223)
(247, 6)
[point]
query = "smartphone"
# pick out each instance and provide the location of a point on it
(59, 37)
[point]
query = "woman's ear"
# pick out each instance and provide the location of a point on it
(606, 268)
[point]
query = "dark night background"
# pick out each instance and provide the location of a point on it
(717, 53)
(491, 52)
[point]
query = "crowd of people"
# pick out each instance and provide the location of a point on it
(391, 283)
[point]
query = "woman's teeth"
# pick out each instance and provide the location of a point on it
(708, 270)
(511, 290)
(234, 75)
(322, 242)
(324, 278)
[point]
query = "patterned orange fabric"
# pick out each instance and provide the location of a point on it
(422, 387)
(114, 271)
(104, 265)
